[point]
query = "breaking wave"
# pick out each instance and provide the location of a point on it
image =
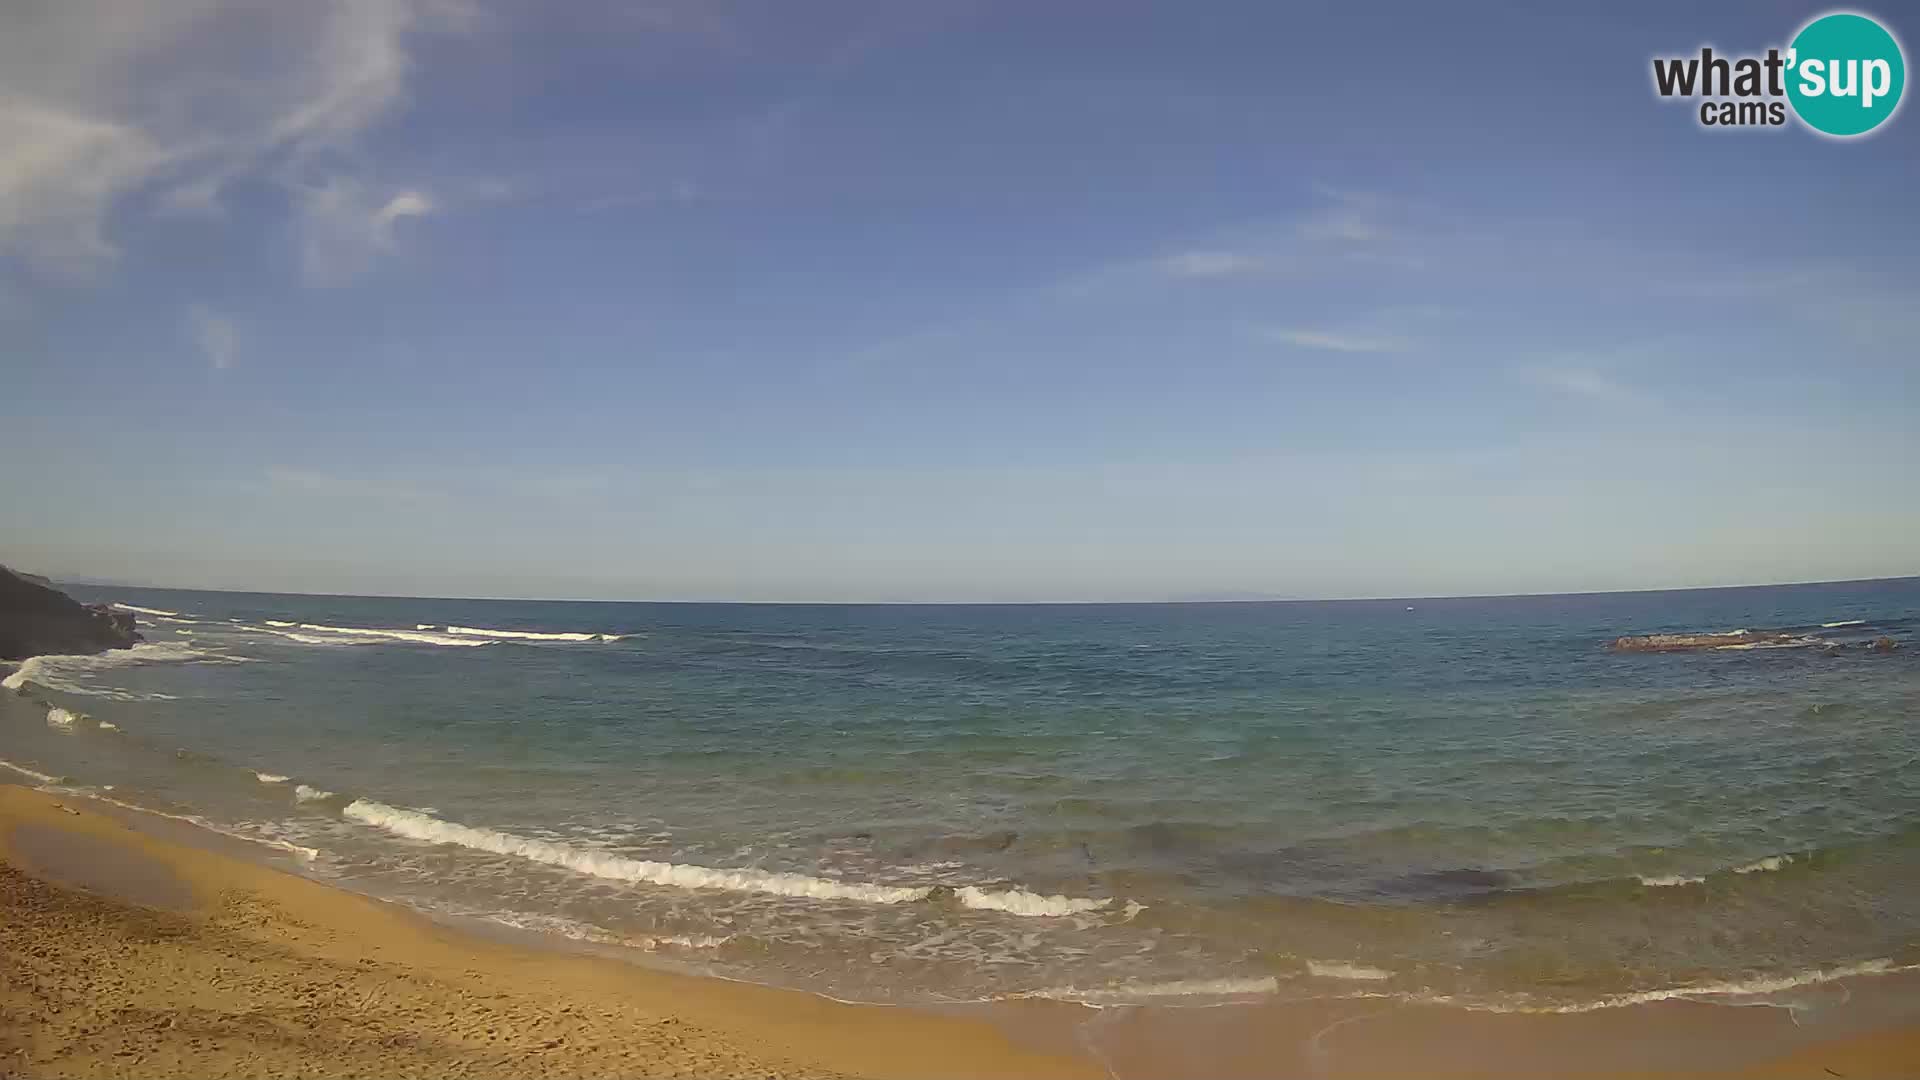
(315, 639)
(34, 774)
(418, 636)
(1758, 866)
(1022, 902)
(415, 825)
(1667, 881)
(527, 635)
(24, 673)
(1352, 972)
(61, 719)
(270, 778)
(145, 610)
(303, 793)
(1795, 643)
(60, 672)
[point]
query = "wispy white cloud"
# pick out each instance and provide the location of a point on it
(344, 226)
(1341, 231)
(60, 171)
(108, 108)
(215, 335)
(1334, 340)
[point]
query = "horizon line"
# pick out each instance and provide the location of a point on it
(99, 584)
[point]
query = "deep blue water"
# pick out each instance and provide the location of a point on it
(1473, 798)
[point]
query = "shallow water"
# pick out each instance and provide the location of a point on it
(1472, 799)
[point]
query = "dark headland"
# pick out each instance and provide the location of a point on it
(37, 619)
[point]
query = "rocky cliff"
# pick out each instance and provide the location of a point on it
(37, 620)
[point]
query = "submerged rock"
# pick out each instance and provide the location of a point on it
(1882, 644)
(1682, 642)
(38, 620)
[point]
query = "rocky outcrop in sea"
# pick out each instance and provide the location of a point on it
(37, 619)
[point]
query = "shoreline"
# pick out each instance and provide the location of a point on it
(111, 914)
(122, 945)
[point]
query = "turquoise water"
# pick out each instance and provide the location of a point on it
(1472, 799)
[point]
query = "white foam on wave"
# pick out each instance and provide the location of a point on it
(34, 774)
(280, 622)
(1736, 988)
(417, 636)
(144, 610)
(1022, 902)
(579, 931)
(173, 619)
(524, 635)
(685, 941)
(108, 725)
(1842, 622)
(1352, 972)
(61, 719)
(1761, 866)
(271, 778)
(1667, 881)
(303, 793)
(1176, 988)
(305, 853)
(1714, 992)
(315, 639)
(417, 826)
(57, 672)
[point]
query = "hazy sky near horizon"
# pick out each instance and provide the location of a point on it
(939, 300)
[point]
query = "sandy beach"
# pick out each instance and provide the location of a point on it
(122, 954)
(129, 949)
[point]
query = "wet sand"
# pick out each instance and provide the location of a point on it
(135, 948)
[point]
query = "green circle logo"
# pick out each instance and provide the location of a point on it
(1845, 74)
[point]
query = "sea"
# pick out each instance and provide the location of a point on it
(1475, 801)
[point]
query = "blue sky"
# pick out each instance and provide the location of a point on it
(939, 301)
